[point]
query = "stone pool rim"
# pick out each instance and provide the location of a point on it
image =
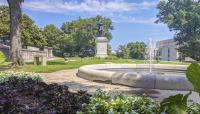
(148, 81)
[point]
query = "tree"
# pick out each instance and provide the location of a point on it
(84, 31)
(4, 22)
(55, 38)
(30, 33)
(15, 34)
(123, 52)
(183, 17)
(137, 50)
(109, 50)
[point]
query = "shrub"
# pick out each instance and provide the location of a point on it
(112, 58)
(7, 75)
(101, 103)
(194, 109)
(175, 104)
(193, 75)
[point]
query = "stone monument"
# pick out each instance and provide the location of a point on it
(101, 43)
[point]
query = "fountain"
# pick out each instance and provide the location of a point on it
(150, 54)
(162, 76)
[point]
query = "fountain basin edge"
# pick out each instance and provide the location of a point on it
(137, 80)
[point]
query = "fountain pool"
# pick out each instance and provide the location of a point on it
(162, 76)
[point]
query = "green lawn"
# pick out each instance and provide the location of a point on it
(59, 64)
(3, 61)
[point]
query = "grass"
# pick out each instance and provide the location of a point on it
(59, 64)
(3, 61)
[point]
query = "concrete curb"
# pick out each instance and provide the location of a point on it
(149, 81)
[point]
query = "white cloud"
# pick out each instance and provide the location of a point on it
(89, 6)
(119, 11)
(136, 20)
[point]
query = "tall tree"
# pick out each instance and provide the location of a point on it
(137, 50)
(83, 32)
(31, 34)
(55, 38)
(123, 51)
(183, 17)
(15, 35)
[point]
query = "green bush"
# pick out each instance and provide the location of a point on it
(194, 109)
(101, 103)
(7, 75)
(175, 104)
(112, 58)
(193, 75)
(2, 57)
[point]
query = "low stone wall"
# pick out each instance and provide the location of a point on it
(29, 53)
(138, 80)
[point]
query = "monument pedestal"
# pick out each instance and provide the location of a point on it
(101, 47)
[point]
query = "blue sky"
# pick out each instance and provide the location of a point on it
(133, 20)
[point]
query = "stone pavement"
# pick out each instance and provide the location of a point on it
(69, 78)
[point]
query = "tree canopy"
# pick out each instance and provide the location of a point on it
(83, 33)
(137, 50)
(133, 50)
(55, 38)
(183, 17)
(31, 34)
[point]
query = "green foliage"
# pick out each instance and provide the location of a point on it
(2, 57)
(183, 17)
(193, 75)
(123, 52)
(112, 58)
(133, 50)
(31, 34)
(101, 103)
(137, 50)
(23, 76)
(56, 39)
(82, 33)
(194, 108)
(4, 21)
(175, 104)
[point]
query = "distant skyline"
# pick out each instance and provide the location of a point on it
(133, 20)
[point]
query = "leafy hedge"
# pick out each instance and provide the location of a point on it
(102, 103)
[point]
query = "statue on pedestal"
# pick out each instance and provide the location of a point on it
(101, 42)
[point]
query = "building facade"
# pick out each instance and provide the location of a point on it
(166, 50)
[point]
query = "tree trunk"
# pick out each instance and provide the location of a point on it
(15, 34)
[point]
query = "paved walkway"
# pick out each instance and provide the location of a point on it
(75, 83)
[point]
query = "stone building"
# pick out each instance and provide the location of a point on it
(166, 50)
